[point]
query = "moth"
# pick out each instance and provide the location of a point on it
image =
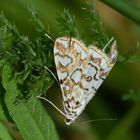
(81, 70)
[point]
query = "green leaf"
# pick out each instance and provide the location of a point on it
(4, 135)
(30, 117)
(2, 116)
(2, 111)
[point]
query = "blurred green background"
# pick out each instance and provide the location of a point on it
(117, 97)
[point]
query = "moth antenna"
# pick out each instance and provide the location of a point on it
(49, 37)
(97, 120)
(51, 73)
(108, 44)
(61, 112)
(70, 42)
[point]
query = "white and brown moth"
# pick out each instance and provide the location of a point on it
(81, 70)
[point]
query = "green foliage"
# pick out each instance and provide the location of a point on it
(4, 135)
(34, 19)
(67, 24)
(26, 58)
(31, 118)
(23, 77)
(97, 33)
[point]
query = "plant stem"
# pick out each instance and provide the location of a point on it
(126, 8)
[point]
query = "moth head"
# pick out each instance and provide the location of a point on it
(68, 121)
(113, 53)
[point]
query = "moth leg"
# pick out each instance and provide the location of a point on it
(52, 105)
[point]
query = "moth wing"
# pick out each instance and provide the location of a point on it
(95, 70)
(80, 71)
(68, 54)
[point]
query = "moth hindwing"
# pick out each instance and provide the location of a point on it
(81, 70)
